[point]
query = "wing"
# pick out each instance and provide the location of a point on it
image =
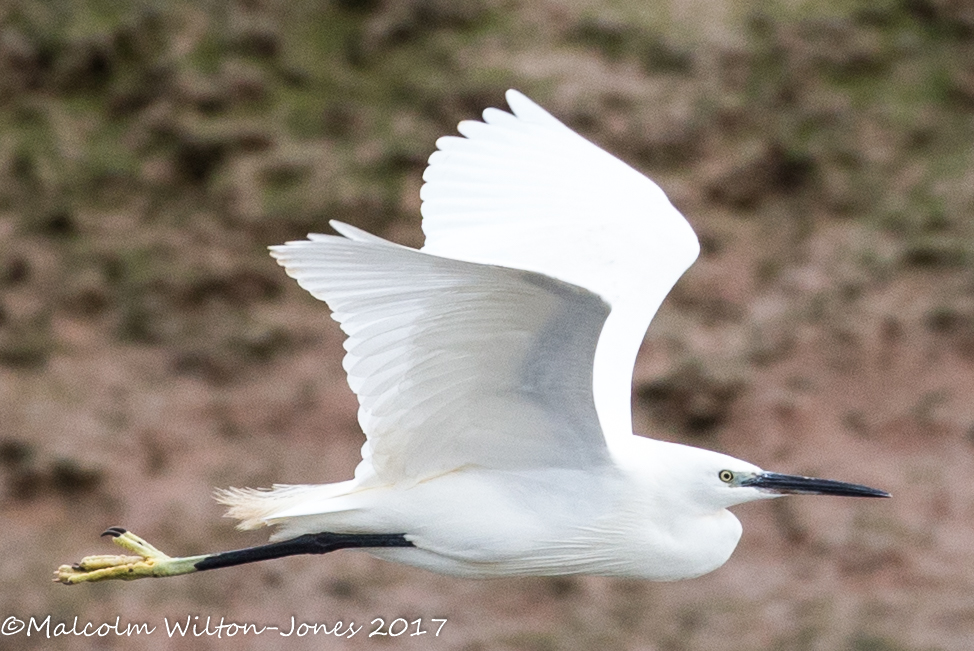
(456, 363)
(523, 190)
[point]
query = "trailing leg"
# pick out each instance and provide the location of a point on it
(150, 562)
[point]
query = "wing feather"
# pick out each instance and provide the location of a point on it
(457, 363)
(522, 190)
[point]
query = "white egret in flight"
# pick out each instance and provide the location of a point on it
(493, 370)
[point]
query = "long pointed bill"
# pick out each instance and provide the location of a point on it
(796, 485)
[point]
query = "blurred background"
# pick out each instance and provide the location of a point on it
(151, 350)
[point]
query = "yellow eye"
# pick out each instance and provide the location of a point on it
(726, 476)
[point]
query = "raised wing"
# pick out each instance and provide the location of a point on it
(525, 191)
(456, 363)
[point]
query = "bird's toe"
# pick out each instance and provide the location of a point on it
(148, 562)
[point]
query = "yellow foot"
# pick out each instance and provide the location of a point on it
(150, 562)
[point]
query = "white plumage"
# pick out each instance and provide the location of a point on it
(493, 371)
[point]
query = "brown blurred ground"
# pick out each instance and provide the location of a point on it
(150, 350)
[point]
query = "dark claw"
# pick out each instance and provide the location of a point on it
(114, 532)
(77, 567)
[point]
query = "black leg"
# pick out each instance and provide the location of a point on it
(312, 543)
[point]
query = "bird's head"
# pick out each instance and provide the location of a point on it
(746, 485)
(720, 481)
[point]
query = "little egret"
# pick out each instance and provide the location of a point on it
(493, 370)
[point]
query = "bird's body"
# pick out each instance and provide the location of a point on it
(615, 519)
(493, 370)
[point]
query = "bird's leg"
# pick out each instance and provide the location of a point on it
(150, 562)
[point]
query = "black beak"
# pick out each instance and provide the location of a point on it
(797, 485)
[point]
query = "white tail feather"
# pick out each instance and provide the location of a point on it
(258, 507)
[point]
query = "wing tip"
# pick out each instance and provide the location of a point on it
(526, 109)
(346, 232)
(514, 96)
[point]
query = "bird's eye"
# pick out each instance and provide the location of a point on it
(726, 476)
